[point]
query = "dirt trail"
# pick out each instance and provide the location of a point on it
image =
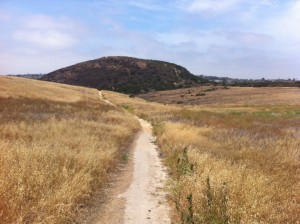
(145, 200)
(106, 101)
(137, 196)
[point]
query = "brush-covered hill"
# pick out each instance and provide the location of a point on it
(125, 74)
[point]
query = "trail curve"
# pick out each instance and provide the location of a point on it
(145, 200)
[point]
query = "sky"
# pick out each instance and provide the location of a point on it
(234, 38)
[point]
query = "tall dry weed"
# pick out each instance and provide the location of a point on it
(55, 154)
(230, 164)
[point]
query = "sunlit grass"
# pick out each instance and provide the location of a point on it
(229, 163)
(56, 149)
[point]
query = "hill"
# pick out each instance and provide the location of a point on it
(57, 145)
(125, 74)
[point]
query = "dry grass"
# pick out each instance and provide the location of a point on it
(210, 95)
(57, 145)
(34, 89)
(229, 163)
(151, 111)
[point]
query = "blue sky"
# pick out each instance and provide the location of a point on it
(235, 38)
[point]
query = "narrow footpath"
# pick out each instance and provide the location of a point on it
(137, 196)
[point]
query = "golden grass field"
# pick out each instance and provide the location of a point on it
(212, 95)
(233, 157)
(233, 161)
(57, 146)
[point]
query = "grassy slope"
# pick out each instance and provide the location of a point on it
(210, 95)
(230, 163)
(57, 144)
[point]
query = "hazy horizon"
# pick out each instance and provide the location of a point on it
(233, 38)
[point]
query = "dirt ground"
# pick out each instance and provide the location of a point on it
(135, 192)
(145, 199)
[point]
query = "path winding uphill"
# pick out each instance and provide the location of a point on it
(141, 200)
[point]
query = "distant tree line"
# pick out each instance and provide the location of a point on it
(29, 76)
(225, 81)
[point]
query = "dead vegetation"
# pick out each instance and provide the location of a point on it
(212, 95)
(233, 163)
(57, 145)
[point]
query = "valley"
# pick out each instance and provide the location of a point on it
(232, 156)
(229, 163)
(150, 112)
(218, 95)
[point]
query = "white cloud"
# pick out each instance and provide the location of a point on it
(198, 41)
(174, 37)
(12, 63)
(51, 39)
(147, 5)
(287, 24)
(212, 5)
(284, 28)
(243, 39)
(45, 32)
(47, 22)
(248, 38)
(32, 41)
(4, 16)
(208, 5)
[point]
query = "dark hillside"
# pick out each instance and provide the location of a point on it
(125, 74)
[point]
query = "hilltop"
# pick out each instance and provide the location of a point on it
(125, 74)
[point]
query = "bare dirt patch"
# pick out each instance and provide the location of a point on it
(107, 207)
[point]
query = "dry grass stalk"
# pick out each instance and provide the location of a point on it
(57, 145)
(230, 163)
